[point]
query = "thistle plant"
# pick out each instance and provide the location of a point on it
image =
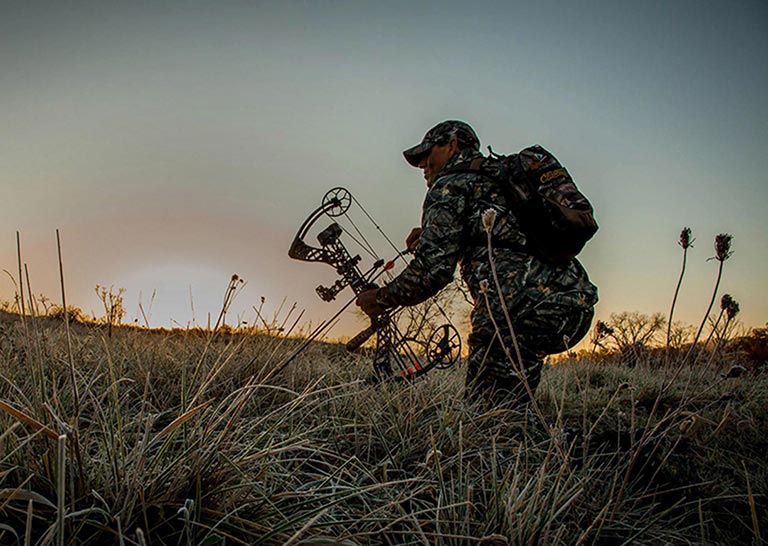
(235, 284)
(726, 303)
(602, 331)
(114, 311)
(686, 241)
(723, 247)
(722, 253)
(731, 308)
(489, 219)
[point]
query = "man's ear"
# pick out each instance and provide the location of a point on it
(453, 145)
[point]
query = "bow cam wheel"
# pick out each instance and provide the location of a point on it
(338, 201)
(444, 346)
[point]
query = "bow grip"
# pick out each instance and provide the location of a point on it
(376, 324)
(355, 343)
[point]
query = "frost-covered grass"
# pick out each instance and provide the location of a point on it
(176, 438)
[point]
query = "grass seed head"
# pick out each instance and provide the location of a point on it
(725, 301)
(603, 329)
(723, 246)
(489, 218)
(686, 241)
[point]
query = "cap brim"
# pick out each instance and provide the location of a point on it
(414, 155)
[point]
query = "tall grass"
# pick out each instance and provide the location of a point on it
(182, 442)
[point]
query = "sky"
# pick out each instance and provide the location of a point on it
(174, 144)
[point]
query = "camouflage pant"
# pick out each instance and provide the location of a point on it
(547, 318)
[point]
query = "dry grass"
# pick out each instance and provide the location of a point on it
(177, 440)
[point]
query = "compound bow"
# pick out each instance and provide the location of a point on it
(408, 356)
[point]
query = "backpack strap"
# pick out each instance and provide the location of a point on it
(535, 198)
(474, 166)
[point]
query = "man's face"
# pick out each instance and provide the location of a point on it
(433, 162)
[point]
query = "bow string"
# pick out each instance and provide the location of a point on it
(395, 356)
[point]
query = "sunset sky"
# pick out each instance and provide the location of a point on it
(176, 143)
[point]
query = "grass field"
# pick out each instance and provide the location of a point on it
(158, 437)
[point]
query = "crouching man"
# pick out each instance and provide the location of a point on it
(550, 306)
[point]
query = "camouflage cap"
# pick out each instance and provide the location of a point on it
(440, 134)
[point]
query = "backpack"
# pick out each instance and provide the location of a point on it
(553, 214)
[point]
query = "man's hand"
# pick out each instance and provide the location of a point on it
(412, 241)
(367, 302)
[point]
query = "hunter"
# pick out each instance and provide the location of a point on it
(550, 305)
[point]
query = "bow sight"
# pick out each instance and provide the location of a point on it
(411, 355)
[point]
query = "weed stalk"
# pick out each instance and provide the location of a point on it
(722, 253)
(686, 242)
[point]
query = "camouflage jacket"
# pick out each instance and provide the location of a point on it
(453, 233)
